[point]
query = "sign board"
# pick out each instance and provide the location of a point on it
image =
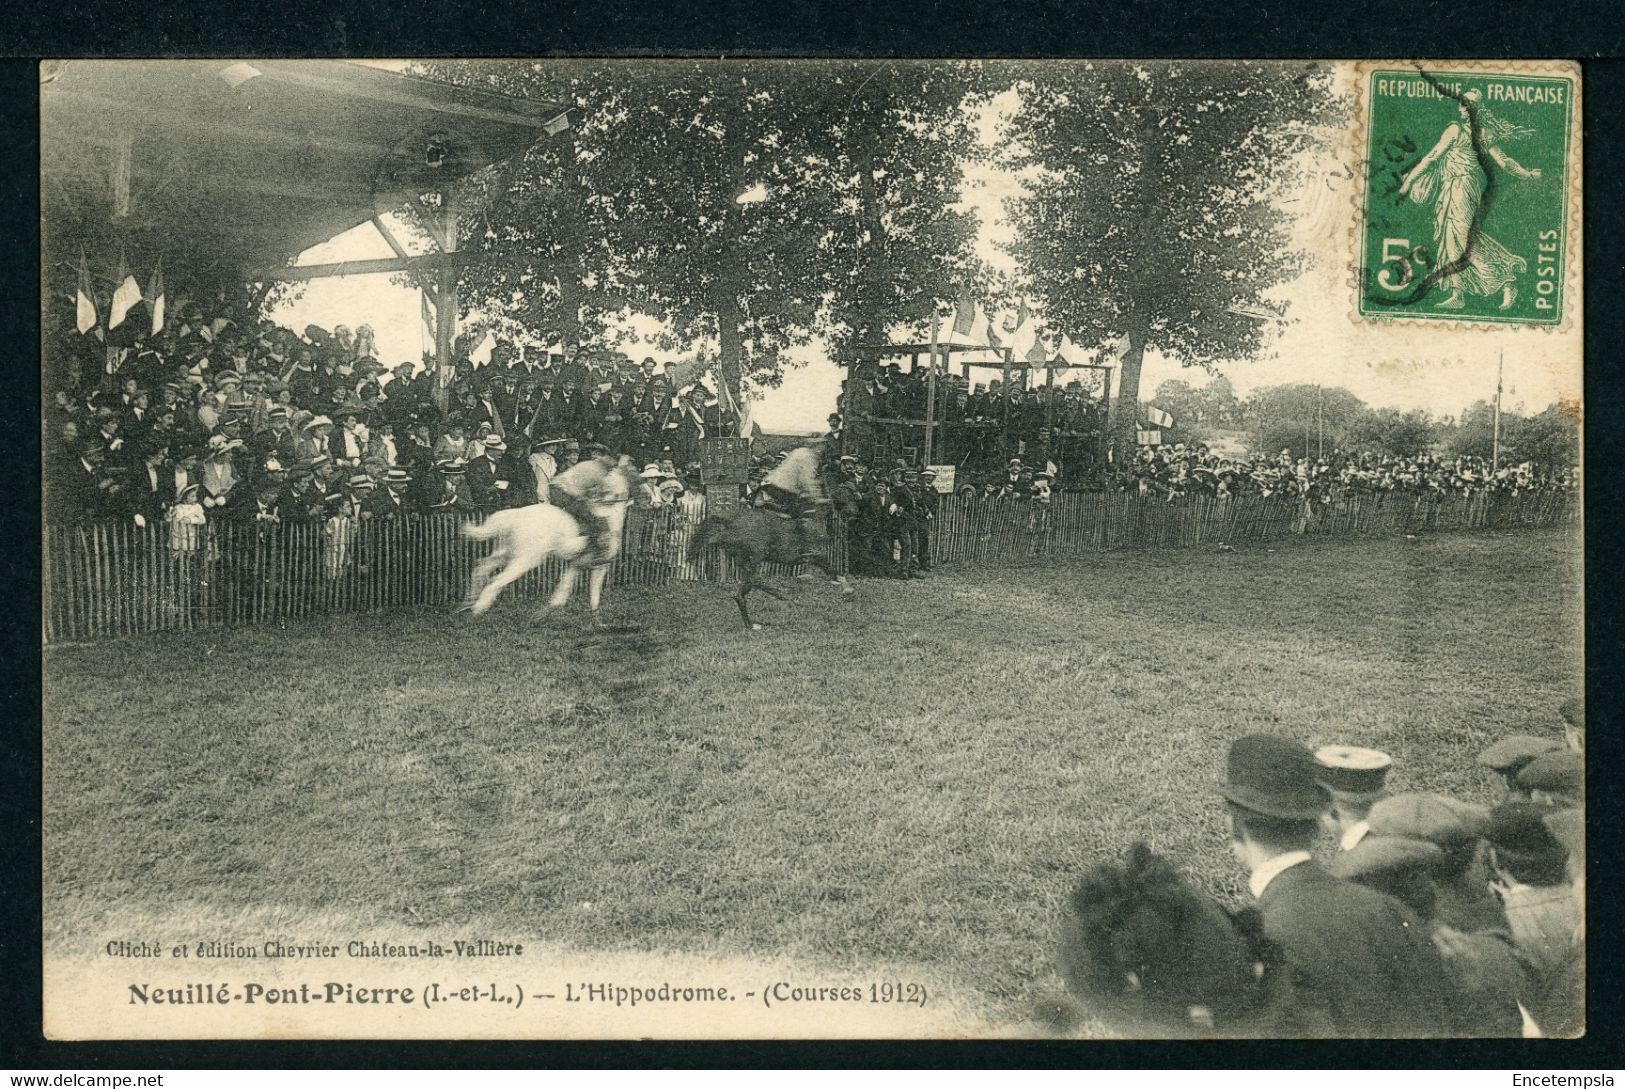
(721, 497)
(724, 460)
(944, 481)
(1149, 438)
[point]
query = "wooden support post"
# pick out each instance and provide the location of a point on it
(1104, 443)
(1049, 410)
(930, 403)
(445, 321)
(1004, 395)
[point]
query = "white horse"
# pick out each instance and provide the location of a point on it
(529, 536)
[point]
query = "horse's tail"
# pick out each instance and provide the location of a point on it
(493, 526)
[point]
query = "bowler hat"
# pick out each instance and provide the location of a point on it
(1275, 777)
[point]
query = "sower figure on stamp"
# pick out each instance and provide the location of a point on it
(1450, 177)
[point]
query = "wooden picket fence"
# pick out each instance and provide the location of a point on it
(114, 579)
(983, 530)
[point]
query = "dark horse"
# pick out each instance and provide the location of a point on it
(751, 536)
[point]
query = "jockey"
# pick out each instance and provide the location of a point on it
(577, 489)
(794, 487)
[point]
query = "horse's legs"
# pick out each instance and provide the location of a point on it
(489, 595)
(595, 589)
(482, 572)
(747, 571)
(829, 569)
(566, 587)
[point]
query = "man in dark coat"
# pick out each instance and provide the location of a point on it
(1357, 963)
(906, 518)
(487, 483)
(927, 500)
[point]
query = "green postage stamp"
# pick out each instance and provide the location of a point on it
(1470, 193)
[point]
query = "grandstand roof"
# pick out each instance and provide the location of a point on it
(241, 165)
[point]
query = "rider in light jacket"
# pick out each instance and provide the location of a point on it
(577, 489)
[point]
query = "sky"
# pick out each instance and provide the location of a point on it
(1405, 365)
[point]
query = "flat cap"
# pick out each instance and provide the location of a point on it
(1558, 770)
(1568, 827)
(1573, 711)
(1510, 754)
(1434, 818)
(1350, 770)
(1519, 828)
(1383, 854)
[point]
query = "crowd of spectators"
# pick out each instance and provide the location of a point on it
(1372, 912)
(215, 420)
(975, 429)
(1177, 470)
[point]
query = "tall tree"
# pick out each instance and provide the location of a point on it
(749, 204)
(708, 216)
(539, 222)
(881, 149)
(1305, 419)
(1550, 439)
(1150, 216)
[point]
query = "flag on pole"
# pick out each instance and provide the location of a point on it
(964, 313)
(967, 325)
(1158, 417)
(1025, 342)
(1069, 354)
(155, 297)
(125, 295)
(85, 297)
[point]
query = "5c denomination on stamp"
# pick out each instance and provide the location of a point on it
(1468, 192)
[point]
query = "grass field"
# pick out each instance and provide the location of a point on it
(914, 776)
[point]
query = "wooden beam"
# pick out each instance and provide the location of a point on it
(155, 114)
(292, 73)
(388, 235)
(429, 263)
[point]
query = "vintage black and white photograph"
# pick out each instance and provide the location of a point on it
(759, 548)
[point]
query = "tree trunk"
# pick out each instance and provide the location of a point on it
(569, 315)
(1126, 411)
(730, 347)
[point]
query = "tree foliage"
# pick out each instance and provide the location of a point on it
(747, 204)
(1151, 215)
(1305, 419)
(1550, 439)
(1199, 409)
